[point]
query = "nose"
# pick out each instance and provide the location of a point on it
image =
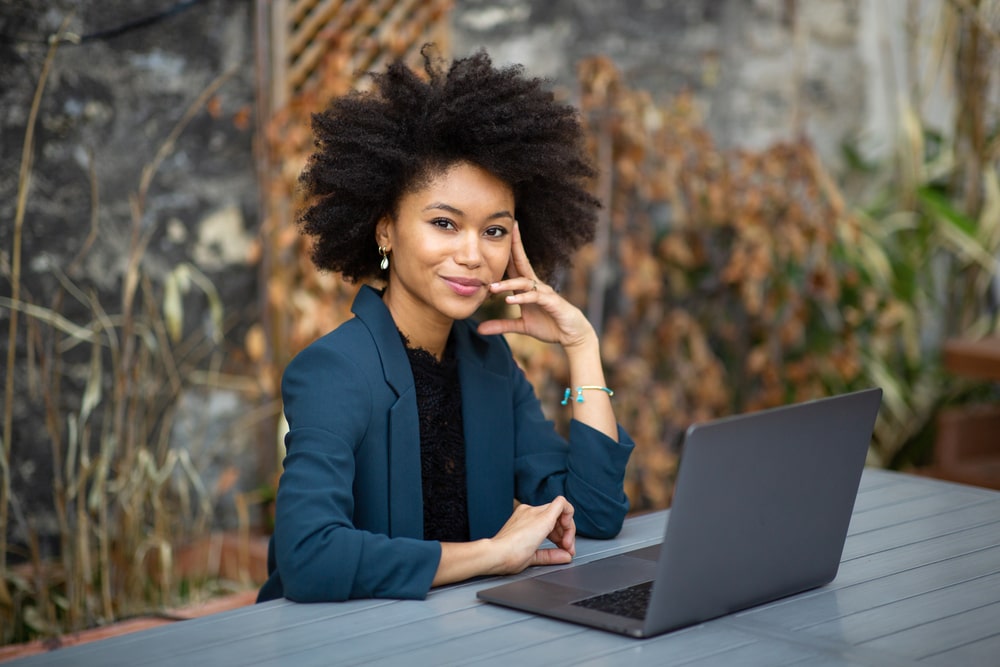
(469, 253)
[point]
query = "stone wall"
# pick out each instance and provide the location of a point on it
(110, 104)
(762, 70)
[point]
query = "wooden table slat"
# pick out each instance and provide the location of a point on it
(909, 556)
(945, 632)
(829, 604)
(919, 508)
(978, 652)
(929, 611)
(952, 520)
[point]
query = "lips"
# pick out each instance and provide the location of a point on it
(463, 286)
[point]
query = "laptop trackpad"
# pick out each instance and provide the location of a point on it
(607, 574)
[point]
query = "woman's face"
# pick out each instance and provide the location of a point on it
(449, 241)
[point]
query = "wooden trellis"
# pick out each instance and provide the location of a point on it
(303, 33)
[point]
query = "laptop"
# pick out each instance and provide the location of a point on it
(760, 511)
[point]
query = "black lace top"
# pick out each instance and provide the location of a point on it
(442, 444)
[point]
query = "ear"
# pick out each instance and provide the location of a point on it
(382, 235)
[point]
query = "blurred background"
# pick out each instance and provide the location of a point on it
(801, 197)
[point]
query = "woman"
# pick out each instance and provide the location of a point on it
(412, 431)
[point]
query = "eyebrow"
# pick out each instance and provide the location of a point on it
(441, 206)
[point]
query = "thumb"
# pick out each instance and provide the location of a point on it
(494, 327)
(552, 557)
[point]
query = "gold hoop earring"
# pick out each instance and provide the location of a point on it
(384, 252)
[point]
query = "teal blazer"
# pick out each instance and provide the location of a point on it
(349, 509)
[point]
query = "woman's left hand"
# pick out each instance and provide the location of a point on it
(545, 315)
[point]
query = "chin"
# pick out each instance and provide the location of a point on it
(463, 308)
(464, 313)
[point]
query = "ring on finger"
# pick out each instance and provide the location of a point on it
(534, 285)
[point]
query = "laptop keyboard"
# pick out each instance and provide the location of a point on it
(630, 602)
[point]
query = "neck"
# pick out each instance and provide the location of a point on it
(421, 328)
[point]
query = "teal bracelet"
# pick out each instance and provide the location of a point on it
(580, 390)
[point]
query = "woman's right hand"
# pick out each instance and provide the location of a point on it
(519, 540)
(515, 547)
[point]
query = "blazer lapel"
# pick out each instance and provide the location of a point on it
(487, 419)
(371, 310)
(405, 493)
(406, 506)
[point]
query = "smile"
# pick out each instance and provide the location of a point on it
(464, 286)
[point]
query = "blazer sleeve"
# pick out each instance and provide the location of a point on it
(319, 554)
(589, 469)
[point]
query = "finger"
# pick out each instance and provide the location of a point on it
(511, 266)
(525, 284)
(566, 526)
(567, 506)
(552, 557)
(564, 539)
(519, 285)
(518, 256)
(515, 248)
(496, 327)
(569, 538)
(559, 507)
(533, 293)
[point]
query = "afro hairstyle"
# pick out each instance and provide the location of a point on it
(372, 147)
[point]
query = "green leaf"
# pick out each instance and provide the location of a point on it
(937, 204)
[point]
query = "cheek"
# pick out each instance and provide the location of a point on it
(498, 258)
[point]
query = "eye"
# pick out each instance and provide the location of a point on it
(443, 223)
(496, 232)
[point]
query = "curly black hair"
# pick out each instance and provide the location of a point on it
(373, 147)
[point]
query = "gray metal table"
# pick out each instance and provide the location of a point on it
(919, 584)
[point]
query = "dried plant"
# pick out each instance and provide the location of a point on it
(124, 496)
(725, 275)
(24, 181)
